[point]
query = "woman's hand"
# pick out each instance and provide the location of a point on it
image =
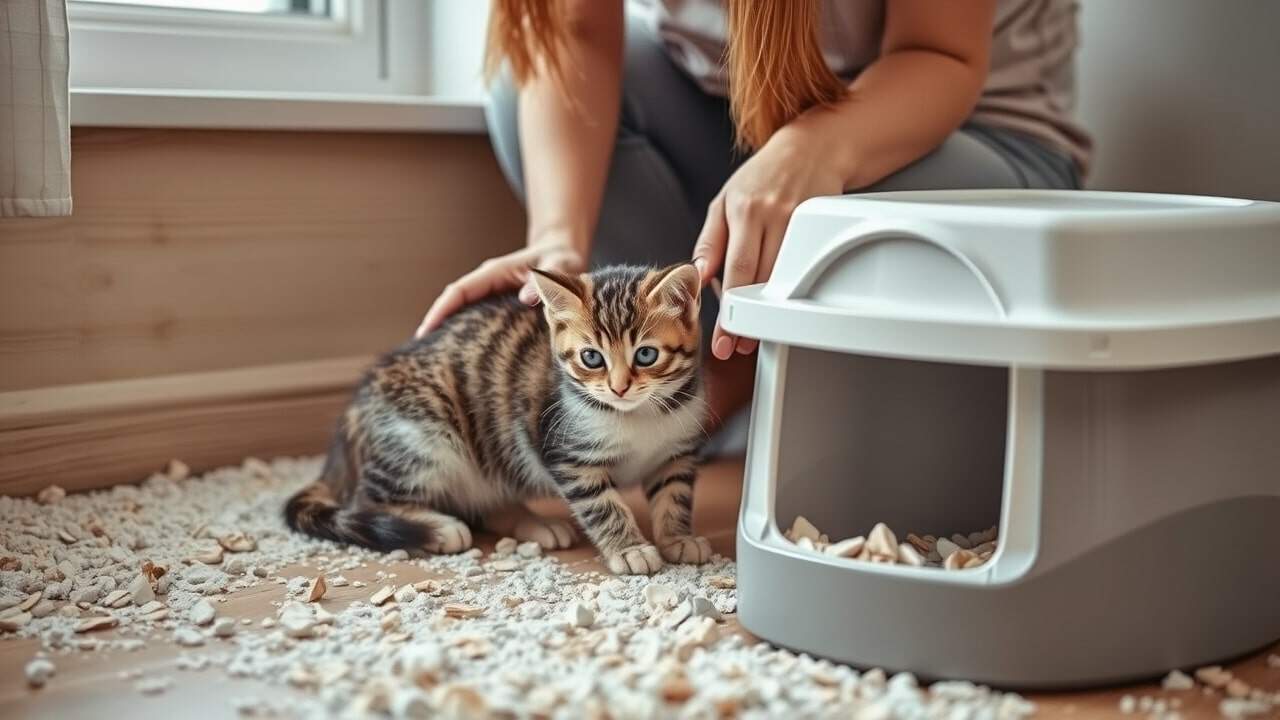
(745, 222)
(499, 275)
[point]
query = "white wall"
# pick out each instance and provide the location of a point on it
(456, 47)
(1183, 95)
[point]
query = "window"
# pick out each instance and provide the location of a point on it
(292, 7)
(346, 47)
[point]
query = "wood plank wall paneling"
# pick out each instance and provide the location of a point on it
(99, 434)
(216, 292)
(204, 250)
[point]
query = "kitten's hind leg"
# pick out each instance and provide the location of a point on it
(525, 525)
(449, 535)
(670, 496)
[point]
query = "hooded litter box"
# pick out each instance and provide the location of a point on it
(1098, 374)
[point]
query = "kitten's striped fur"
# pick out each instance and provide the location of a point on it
(499, 405)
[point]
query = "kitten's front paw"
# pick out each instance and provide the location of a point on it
(686, 549)
(640, 559)
(549, 533)
(449, 538)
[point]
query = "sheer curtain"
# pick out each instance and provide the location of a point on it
(35, 134)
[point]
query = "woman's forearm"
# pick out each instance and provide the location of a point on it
(922, 88)
(567, 133)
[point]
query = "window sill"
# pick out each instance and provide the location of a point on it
(119, 107)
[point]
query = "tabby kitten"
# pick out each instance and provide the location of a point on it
(504, 403)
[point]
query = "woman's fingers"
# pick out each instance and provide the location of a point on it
(492, 276)
(501, 274)
(741, 261)
(528, 293)
(769, 248)
(708, 251)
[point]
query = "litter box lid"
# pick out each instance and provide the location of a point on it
(1055, 279)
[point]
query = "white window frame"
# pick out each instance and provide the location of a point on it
(373, 64)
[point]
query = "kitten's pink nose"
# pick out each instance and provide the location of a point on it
(620, 388)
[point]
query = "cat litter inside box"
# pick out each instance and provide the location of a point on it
(1096, 375)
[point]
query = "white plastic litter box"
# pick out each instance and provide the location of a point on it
(1098, 374)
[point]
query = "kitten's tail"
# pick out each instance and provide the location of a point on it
(315, 511)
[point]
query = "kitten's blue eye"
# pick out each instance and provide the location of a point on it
(646, 356)
(592, 358)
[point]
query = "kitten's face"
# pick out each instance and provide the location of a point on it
(628, 336)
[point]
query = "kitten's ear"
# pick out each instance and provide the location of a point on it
(558, 292)
(677, 286)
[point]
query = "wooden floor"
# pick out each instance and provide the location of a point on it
(88, 686)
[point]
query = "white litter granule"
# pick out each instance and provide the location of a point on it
(516, 633)
(1177, 680)
(39, 670)
(153, 685)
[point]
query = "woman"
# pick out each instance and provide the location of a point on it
(630, 140)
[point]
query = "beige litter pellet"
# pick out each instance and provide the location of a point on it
(909, 555)
(212, 556)
(847, 548)
(881, 543)
(676, 689)
(1213, 676)
(1238, 688)
(918, 543)
(100, 622)
(458, 611)
(946, 548)
(177, 470)
(390, 621)
(140, 590)
(238, 542)
(316, 589)
(50, 495)
(15, 621)
(382, 595)
(722, 582)
(505, 546)
(802, 528)
(151, 607)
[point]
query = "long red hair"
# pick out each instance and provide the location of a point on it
(774, 60)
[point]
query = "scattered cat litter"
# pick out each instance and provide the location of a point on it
(535, 639)
(316, 589)
(38, 671)
(959, 552)
(153, 685)
(51, 495)
(1238, 708)
(1177, 680)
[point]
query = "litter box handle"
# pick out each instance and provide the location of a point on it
(798, 285)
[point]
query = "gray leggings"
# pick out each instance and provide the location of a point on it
(675, 150)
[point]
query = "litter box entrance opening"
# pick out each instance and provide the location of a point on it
(917, 445)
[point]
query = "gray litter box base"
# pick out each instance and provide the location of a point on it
(1133, 608)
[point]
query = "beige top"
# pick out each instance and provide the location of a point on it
(1030, 87)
